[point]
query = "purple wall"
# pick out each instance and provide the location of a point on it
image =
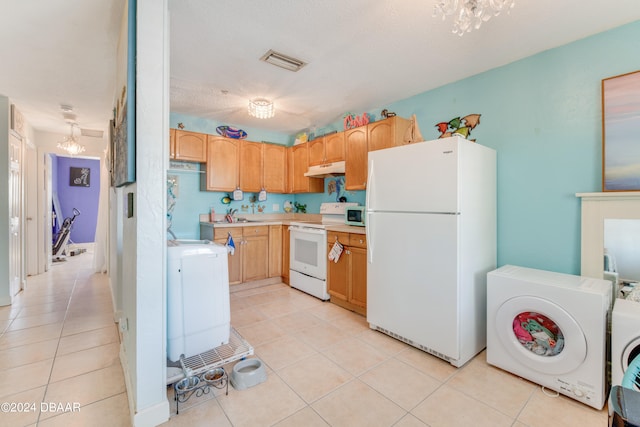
(85, 199)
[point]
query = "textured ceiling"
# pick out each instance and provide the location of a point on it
(361, 54)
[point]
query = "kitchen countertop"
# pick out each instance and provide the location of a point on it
(283, 220)
(347, 229)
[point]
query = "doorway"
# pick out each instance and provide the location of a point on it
(75, 188)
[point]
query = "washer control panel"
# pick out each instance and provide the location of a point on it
(582, 392)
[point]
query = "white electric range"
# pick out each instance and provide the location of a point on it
(308, 250)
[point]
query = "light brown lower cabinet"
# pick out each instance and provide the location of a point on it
(347, 278)
(251, 256)
(286, 244)
(275, 250)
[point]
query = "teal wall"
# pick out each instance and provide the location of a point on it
(541, 114)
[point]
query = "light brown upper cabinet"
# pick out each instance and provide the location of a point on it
(355, 177)
(301, 183)
(189, 146)
(387, 133)
(250, 166)
(326, 149)
(222, 164)
(315, 150)
(172, 143)
(334, 147)
(274, 168)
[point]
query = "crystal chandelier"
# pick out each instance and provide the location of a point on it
(261, 108)
(70, 144)
(470, 14)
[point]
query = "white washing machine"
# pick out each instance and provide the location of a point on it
(625, 337)
(198, 309)
(550, 328)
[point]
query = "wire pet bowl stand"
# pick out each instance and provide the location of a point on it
(205, 370)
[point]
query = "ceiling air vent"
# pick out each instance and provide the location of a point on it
(92, 133)
(282, 61)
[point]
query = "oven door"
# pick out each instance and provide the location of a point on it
(308, 251)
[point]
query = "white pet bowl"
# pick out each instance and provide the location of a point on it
(247, 373)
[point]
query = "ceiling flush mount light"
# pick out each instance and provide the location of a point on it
(70, 144)
(283, 61)
(261, 108)
(470, 14)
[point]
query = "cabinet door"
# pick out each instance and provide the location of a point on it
(300, 166)
(286, 236)
(356, 158)
(334, 147)
(316, 152)
(301, 183)
(289, 170)
(172, 143)
(190, 146)
(222, 164)
(275, 250)
(274, 168)
(235, 260)
(358, 276)
(250, 166)
(255, 262)
(381, 134)
(338, 272)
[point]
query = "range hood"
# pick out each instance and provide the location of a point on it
(326, 171)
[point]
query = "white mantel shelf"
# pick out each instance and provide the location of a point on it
(619, 195)
(596, 207)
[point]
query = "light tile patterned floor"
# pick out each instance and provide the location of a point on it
(325, 367)
(59, 351)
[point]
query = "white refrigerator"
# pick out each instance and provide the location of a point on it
(431, 232)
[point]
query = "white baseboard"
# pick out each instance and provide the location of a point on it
(149, 417)
(5, 301)
(153, 416)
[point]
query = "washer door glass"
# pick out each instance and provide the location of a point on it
(541, 335)
(630, 352)
(538, 334)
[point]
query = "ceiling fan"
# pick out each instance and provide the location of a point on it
(71, 119)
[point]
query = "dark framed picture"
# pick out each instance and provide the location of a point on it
(621, 132)
(79, 177)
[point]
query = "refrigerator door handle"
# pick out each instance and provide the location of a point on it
(369, 194)
(368, 232)
(368, 199)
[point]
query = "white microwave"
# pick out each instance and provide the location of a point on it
(354, 215)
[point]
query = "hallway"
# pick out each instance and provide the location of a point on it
(59, 350)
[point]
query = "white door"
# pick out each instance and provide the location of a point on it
(412, 278)
(15, 214)
(31, 210)
(48, 212)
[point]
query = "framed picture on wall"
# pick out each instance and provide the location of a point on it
(124, 143)
(621, 132)
(79, 177)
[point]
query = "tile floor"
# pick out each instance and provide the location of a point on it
(59, 350)
(325, 367)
